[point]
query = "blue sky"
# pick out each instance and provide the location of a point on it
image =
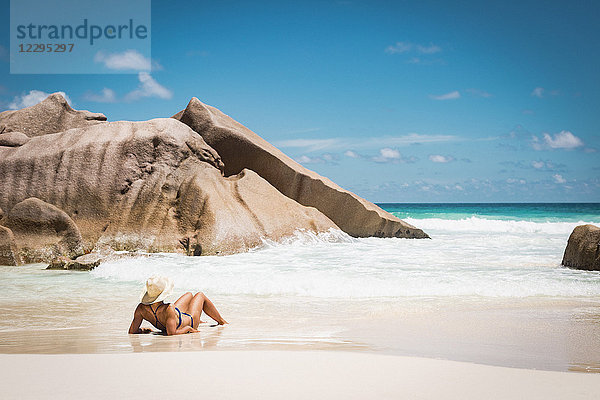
(404, 101)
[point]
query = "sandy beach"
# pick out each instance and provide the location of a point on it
(276, 375)
(299, 200)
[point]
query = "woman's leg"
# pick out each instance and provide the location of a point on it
(201, 303)
(183, 303)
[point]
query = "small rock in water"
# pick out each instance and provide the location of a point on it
(583, 248)
(86, 262)
(83, 263)
(58, 263)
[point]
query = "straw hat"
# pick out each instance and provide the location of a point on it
(157, 289)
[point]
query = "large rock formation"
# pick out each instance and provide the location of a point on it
(42, 231)
(583, 248)
(52, 115)
(241, 148)
(9, 254)
(72, 183)
(150, 186)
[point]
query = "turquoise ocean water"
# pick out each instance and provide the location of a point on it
(532, 212)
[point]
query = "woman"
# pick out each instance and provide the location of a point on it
(173, 319)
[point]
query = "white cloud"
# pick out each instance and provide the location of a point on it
(127, 60)
(562, 140)
(148, 87)
(325, 158)
(559, 179)
(304, 159)
(328, 157)
(425, 61)
(431, 49)
(538, 92)
(538, 164)
(308, 144)
(479, 93)
(388, 155)
(359, 143)
(406, 47)
(351, 154)
(106, 96)
(32, 98)
(448, 96)
(411, 138)
(437, 158)
(399, 48)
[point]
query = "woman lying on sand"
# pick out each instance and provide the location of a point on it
(174, 319)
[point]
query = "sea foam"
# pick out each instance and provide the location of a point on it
(469, 257)
(477, 224)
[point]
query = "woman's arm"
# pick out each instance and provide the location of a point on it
(186, 329)
(172, 328)
(134, 328)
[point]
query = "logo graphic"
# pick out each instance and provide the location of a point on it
(80, 36)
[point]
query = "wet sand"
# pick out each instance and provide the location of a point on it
(559, 336)
(47, 312)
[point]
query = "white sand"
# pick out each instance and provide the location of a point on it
(277, 375)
